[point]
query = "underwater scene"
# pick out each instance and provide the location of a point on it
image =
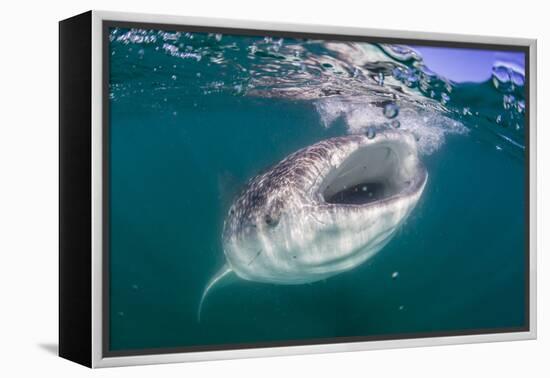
(268, 190)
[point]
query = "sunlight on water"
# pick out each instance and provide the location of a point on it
(342, 79)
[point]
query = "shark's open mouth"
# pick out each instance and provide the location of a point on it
(372, 173)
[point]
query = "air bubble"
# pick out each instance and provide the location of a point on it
(401, 52)
(520, 106)
(508, 101)
(399, 73)
(517, 78)
(394, 275)
(412, 79)
(501, 74)
(506, 77)
(174, 77)
(238, 89)
(380, 78)
(371, 133)
(391, 110)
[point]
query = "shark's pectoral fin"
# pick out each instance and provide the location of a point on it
(221, 275)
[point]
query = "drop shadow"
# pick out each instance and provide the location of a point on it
(51, 348)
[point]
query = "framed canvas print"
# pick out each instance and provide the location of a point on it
(237, 189)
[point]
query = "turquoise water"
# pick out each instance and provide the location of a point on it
(194, 116)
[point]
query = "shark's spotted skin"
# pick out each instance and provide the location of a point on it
(322, 210)
(286, 182)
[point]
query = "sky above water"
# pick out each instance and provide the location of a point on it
(467, 65)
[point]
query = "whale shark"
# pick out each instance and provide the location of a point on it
(321, 211)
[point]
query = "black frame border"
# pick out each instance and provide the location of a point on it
(108, 24)
(75, 189)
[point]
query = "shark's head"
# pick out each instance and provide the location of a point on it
(324, 209)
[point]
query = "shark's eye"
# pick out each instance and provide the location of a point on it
(270, 220)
